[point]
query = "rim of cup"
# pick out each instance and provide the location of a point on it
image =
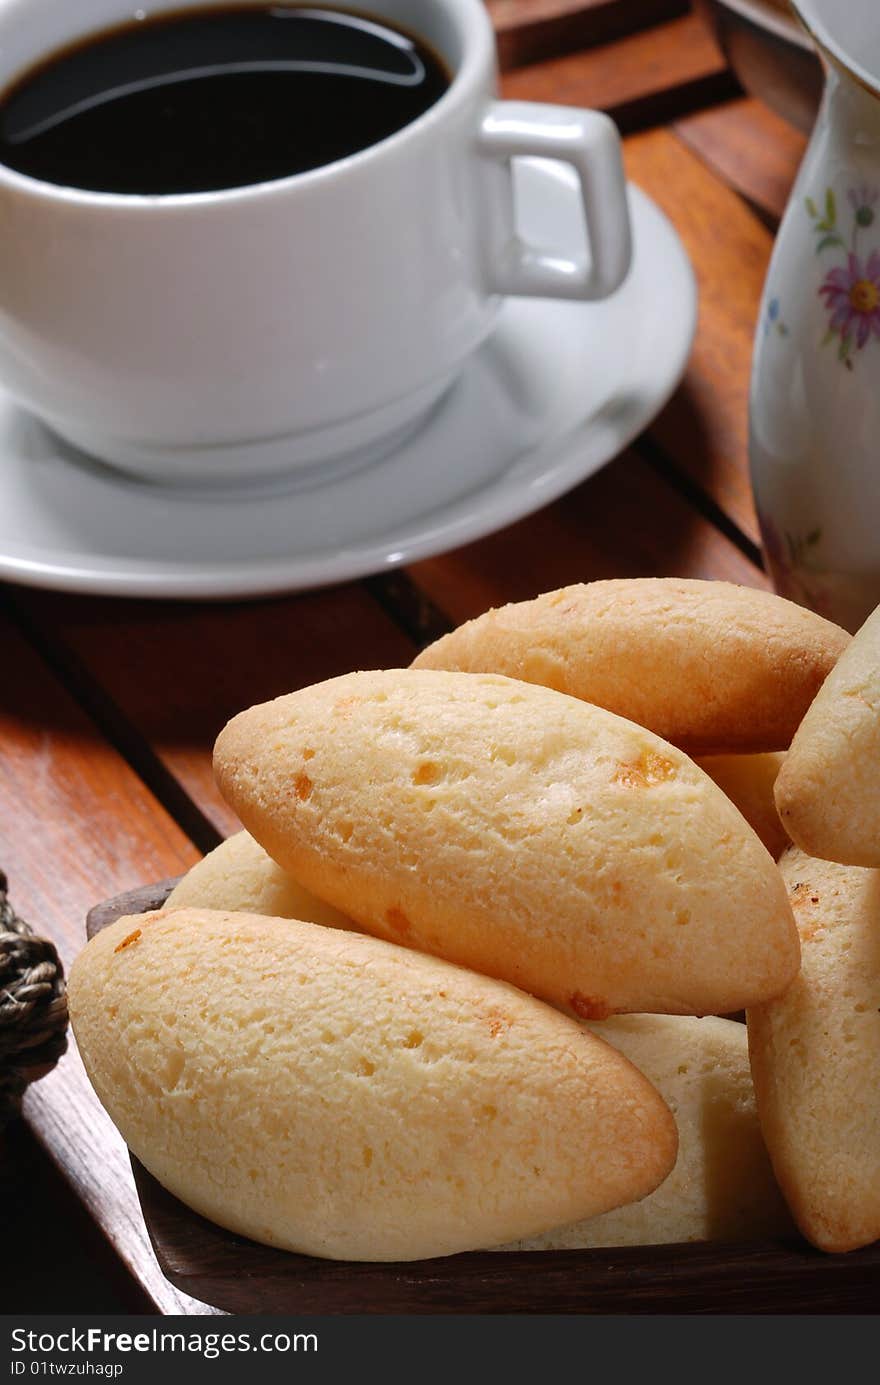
(477, 39)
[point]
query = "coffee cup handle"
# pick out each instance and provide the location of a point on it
(589, 141)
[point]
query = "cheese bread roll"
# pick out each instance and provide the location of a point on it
(710, 666)
(515, 830)
(336, 1095)
(828, 793)
(240, 877)
(748, 781)
(722, 1187)
(815, 1055)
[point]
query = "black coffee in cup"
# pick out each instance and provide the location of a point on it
(215, 98)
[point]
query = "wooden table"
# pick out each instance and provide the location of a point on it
(109, 708)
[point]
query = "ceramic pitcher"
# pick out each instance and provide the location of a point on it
(815, 392)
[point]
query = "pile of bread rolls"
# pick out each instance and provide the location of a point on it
(461, 982)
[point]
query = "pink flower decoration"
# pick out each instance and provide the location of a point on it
(852, 297)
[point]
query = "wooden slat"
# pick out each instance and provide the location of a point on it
(178, 673)
(528, 30)
(62, 1262)
(704, 430)
(755, 151)
(651, 76)
(175, 674)
(624, 522)
(78, 825)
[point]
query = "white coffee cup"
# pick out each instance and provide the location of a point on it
(224, 335)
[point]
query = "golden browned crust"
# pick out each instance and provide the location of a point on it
(503, 826)
(748, 781)
(722, 1187)
(712, 667)
(240, 877)
(828, 792)
(815, 1054)
(339, 1096)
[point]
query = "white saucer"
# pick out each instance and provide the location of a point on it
(558, 391)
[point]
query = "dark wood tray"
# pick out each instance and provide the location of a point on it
(240, 1276)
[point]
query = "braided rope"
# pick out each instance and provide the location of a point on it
(33, 1007)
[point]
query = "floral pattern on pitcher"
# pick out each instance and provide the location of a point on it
(773, 320)
(796, 567)
(851, 290)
